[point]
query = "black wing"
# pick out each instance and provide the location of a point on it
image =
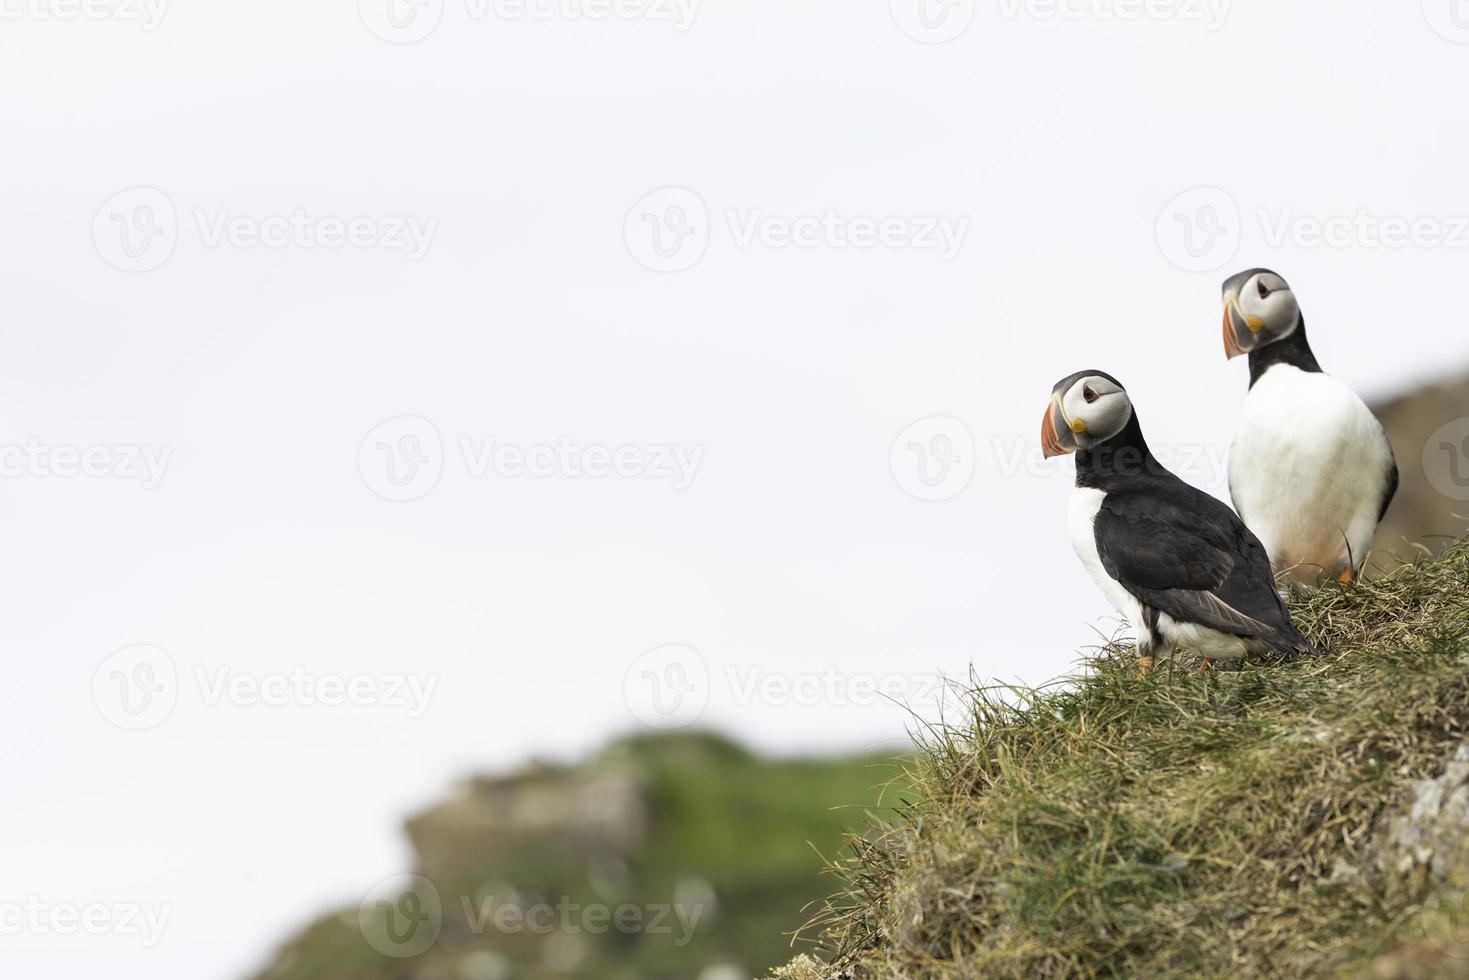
(1184, 553)
(1392, 481)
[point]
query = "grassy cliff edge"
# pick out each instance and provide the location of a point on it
(1300, 818)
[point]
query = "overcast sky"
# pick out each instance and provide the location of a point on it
(394, 393)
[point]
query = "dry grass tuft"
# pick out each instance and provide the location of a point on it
(1121, 825)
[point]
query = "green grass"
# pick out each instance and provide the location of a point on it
(1119, 824)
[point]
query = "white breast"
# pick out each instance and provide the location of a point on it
(1085, 503)
(1199, 640)
(1307, 472)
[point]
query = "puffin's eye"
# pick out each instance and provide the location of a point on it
(1264, 290)
(1089, 394)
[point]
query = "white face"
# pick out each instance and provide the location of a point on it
(1100, 406)
(1268, 297)
(1264, 311)
(1088, 413)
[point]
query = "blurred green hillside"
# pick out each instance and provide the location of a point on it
(705, 853)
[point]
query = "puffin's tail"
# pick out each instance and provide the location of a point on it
(1293, 641)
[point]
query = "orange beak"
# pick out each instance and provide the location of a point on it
(1241, 333)
(1057, 439)
(1232, 348)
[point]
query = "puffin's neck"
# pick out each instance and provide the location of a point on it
(1121, 460)
(1294, 350)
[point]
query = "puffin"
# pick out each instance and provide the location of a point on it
(1174, 561)
(1311, 472)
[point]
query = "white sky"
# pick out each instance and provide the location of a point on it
(530, 319)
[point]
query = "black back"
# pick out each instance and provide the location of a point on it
(1179, 550)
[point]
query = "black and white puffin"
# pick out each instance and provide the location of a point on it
(1311, 471)
(1176, 562)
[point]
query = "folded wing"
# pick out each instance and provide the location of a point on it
(1189, 561)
